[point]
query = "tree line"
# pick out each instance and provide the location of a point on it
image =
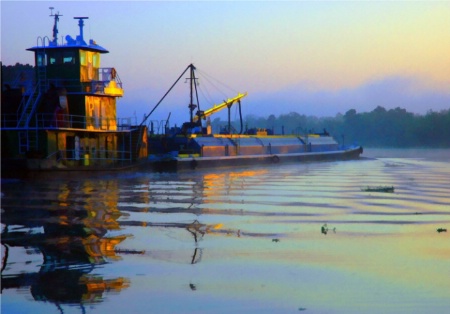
(378, 128)
(11, 73)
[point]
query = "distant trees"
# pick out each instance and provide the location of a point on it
(381, 127)
(10, 73)
(398, 128)
(378, 128)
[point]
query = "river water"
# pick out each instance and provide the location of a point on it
(287, 239)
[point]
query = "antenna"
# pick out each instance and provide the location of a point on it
(81, 24)
(55, 26)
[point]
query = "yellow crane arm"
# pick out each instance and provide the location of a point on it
(219, 107)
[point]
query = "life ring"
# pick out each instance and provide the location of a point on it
(193, 164)
(275, 159)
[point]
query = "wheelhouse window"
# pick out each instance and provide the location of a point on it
(83, 57)
(54, 58)
(41, 59)
(96, 60)
(69, 57)
(89, 65)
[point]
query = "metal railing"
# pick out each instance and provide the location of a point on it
(45, 120)
(50, 120)
(156, 127)
(109, 74)
(9, 120)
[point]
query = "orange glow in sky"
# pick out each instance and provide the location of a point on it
(316, 58)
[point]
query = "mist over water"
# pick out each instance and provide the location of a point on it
(286, 239)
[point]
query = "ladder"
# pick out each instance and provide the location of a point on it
(42, 78)
(29, 107)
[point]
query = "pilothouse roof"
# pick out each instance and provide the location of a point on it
(77, 42)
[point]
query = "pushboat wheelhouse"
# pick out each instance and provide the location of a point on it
(66, 117)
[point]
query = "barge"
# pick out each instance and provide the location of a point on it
(62, 118)
(195, 146)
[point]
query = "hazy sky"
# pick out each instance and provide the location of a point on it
(315, 58)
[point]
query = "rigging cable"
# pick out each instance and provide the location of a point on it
(159, 102)
(217, 81)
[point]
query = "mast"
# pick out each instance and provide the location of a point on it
(55, 26)
(193, 85)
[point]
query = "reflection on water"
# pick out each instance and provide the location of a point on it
(283, 239)
(64, 226)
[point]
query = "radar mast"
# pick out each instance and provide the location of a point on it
(55, 25)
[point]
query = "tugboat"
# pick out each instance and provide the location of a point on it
(64, 117)
(194, 146)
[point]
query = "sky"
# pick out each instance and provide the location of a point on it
(312, 57)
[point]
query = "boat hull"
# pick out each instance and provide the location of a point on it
(193, 163)
(165, 164)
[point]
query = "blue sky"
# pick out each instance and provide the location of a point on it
(315, 58)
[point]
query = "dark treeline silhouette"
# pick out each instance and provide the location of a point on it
(378, 128)
(12, 73)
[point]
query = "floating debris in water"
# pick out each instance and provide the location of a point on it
(392, 165)
(275, 240)
(441, 230)
(383, 189)
(302, 309)
(125, 251)
(325, 229)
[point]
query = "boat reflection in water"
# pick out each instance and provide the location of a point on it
(70, 232)
(56, 236)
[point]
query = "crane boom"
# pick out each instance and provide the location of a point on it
(216, 108)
